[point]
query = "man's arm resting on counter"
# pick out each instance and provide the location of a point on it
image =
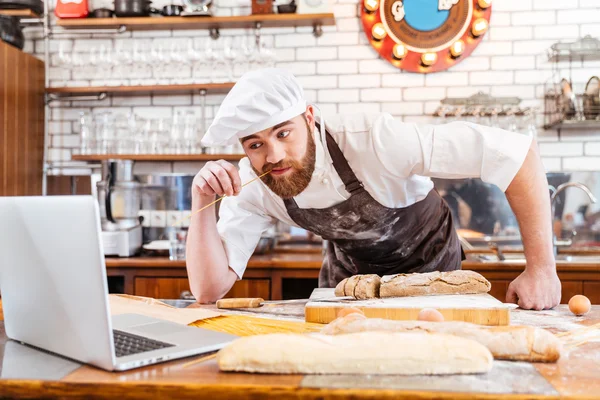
(208, 269)
(538, 287)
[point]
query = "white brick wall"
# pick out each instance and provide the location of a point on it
(359, 81)
(561, 149)
(592, 149)
(344, 74)
(528, 18)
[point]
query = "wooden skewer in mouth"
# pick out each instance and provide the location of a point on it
(216, 201)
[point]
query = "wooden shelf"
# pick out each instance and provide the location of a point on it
(211, 88)
(573, 124)
(24, 13)
(157, 157)
(165, 23)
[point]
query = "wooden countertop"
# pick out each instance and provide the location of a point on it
(274, 261)
(574, 376)
(314, 260)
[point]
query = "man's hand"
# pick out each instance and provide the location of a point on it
(535, 289)
(217, 178)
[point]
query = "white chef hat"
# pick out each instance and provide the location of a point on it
(259, 100)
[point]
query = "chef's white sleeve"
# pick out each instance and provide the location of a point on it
(241, 224)
(453, 151)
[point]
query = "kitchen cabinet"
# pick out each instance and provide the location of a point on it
(575, 278)
(499, 288)
(22, 79)
(569, 289)
(294, 275)
(171, 288)
(592, 291)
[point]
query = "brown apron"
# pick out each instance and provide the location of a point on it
(364, 237)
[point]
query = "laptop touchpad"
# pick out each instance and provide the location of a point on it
(158, 328)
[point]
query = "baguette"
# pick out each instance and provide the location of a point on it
(416, 284)
(433, 283)
(359, 286)
(516, 343)
(379, 353)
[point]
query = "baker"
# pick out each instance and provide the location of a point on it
(362, 182)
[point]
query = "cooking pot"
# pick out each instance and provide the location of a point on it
(37, 6)
(10, 31)
(172, 10)
(102, 13)
(134, 8)
(287, 8)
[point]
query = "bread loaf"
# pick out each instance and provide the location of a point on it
(359, 286)
(524, 343)
(380, 353)
(432, 283)
(416, 284)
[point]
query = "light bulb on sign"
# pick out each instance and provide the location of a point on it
(484, 3)
(428, 59)
(399, 51)
(479, 27)
(371, 5)
(378, 31)
(457, 48)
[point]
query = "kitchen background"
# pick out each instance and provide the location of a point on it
(339, 70)
(342, 73)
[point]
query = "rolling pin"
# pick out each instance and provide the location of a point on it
(252, 302)
(255, 302)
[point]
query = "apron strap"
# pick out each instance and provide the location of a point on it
(342, 167)
(351, 182)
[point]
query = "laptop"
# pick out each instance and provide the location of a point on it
(55, 293)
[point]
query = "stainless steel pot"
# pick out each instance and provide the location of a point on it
(164, 192)
(134, 8)
(117, 171)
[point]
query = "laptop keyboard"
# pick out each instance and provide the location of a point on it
(127, 344)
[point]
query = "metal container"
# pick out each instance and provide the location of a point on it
(117, 170)
(119, 204)
(163, 194)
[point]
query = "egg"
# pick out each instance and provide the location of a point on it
(579, 305)
(430, 314)
(348, 310)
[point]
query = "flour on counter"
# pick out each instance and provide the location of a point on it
(557, 320)
(506, 377)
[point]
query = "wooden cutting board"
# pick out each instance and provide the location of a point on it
(480, 309)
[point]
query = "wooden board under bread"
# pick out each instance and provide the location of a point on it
(480, 309)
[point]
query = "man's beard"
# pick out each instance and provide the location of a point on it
(292, 185)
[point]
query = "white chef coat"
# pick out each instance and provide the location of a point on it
(394, 160)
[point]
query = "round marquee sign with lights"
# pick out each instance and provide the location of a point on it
(425, 35)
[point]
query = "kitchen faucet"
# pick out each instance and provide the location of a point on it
(555, 192)
(496, 250)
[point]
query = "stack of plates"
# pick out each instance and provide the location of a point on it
(157, 247)
(591, 99)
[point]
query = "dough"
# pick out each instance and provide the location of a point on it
(432, 283)
(524, 343)
(380, 353)
(359, 286)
